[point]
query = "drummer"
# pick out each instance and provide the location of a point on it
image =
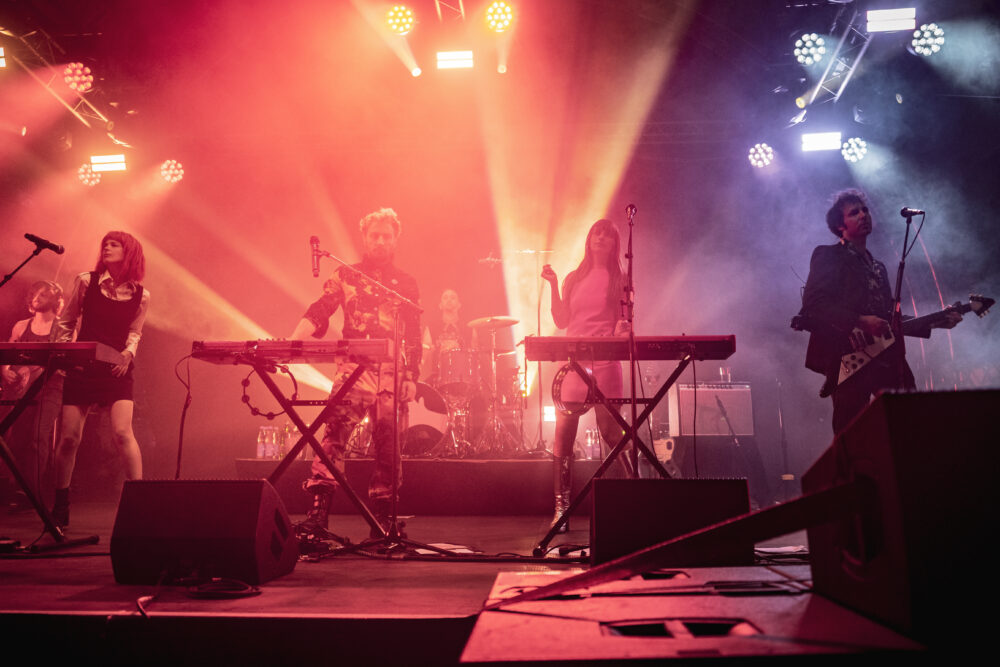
(443, 335)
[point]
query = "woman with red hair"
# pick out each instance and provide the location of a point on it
(107, 305)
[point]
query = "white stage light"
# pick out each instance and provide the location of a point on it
(854, 149)
(809, 49)
(821, 141)
(107, 162)
(890, 20)
(454, 59)
(928, 40)
(761, 155)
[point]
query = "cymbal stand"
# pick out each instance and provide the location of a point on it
(495, 438)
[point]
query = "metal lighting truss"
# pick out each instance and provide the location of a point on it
(37, 54)
(843, 62)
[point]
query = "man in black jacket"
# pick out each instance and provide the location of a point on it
(848, 291)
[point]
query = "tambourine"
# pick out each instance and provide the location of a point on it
(572, 408)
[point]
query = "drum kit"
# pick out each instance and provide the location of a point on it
(470, 408)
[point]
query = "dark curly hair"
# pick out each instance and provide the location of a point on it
(835, 216)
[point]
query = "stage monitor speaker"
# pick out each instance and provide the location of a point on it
(917, 557)
(632, 514)
(168, 530)
(706, 396)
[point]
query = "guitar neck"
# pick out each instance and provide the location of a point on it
(924, 321)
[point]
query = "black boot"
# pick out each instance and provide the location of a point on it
(60, 510)
(318, 518)
(562, 487)
(382, 508)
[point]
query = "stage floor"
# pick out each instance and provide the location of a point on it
(355, 607)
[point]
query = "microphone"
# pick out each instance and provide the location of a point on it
(910, 212)
(630, 211)
(314, 243)
(45, 245)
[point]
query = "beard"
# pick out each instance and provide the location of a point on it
(379, 255)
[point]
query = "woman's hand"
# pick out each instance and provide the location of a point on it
(622, 327)
(122, 368)
(550, 275)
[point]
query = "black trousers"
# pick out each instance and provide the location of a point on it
(852, 397)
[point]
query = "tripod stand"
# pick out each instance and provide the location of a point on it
(495, 438)
(389, 537)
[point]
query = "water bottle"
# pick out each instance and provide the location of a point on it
(262, 442)
(271, 442)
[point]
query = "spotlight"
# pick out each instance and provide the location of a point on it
(78, 77)
(890, 20)
(416, 71)
(454, 59)
(3, 59)
(502, 69)
(171, 171)
(107, 162)
(809, 49)
(928, 40)
(854, 149)
(88, 176)
(761, 155)
(499, 16)
(400, 19)
(820, 141)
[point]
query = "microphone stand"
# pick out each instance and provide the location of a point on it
(7, 278)
(897, 312)
(539, 449)
(628, 314)
(391, 537)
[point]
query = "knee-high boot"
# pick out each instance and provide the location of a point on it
(562, 487)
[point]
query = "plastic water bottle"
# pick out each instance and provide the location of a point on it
(262, 442)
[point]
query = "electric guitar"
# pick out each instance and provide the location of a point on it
(865, 347)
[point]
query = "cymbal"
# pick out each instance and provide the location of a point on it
(493, 322)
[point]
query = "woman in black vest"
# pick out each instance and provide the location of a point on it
(107, 305)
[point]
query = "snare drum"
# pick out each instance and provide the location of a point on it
(458, 371)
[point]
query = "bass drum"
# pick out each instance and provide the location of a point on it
(427, 424)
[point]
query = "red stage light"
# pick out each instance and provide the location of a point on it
(78, 77)
(88, 176)
(171, 171)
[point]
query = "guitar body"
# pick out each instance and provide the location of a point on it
(865, 348)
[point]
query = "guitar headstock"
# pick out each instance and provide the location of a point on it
(980, 304)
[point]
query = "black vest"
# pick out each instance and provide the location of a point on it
(106, 320)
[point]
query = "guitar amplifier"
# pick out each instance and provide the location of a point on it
(700, 401)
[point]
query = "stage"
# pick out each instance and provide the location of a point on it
(392, 610)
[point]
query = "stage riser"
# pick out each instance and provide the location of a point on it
(438, 487)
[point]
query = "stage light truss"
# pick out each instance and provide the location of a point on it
(455, 8)
(843, 62)
(39, 53)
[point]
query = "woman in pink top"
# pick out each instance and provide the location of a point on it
(589, 306)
